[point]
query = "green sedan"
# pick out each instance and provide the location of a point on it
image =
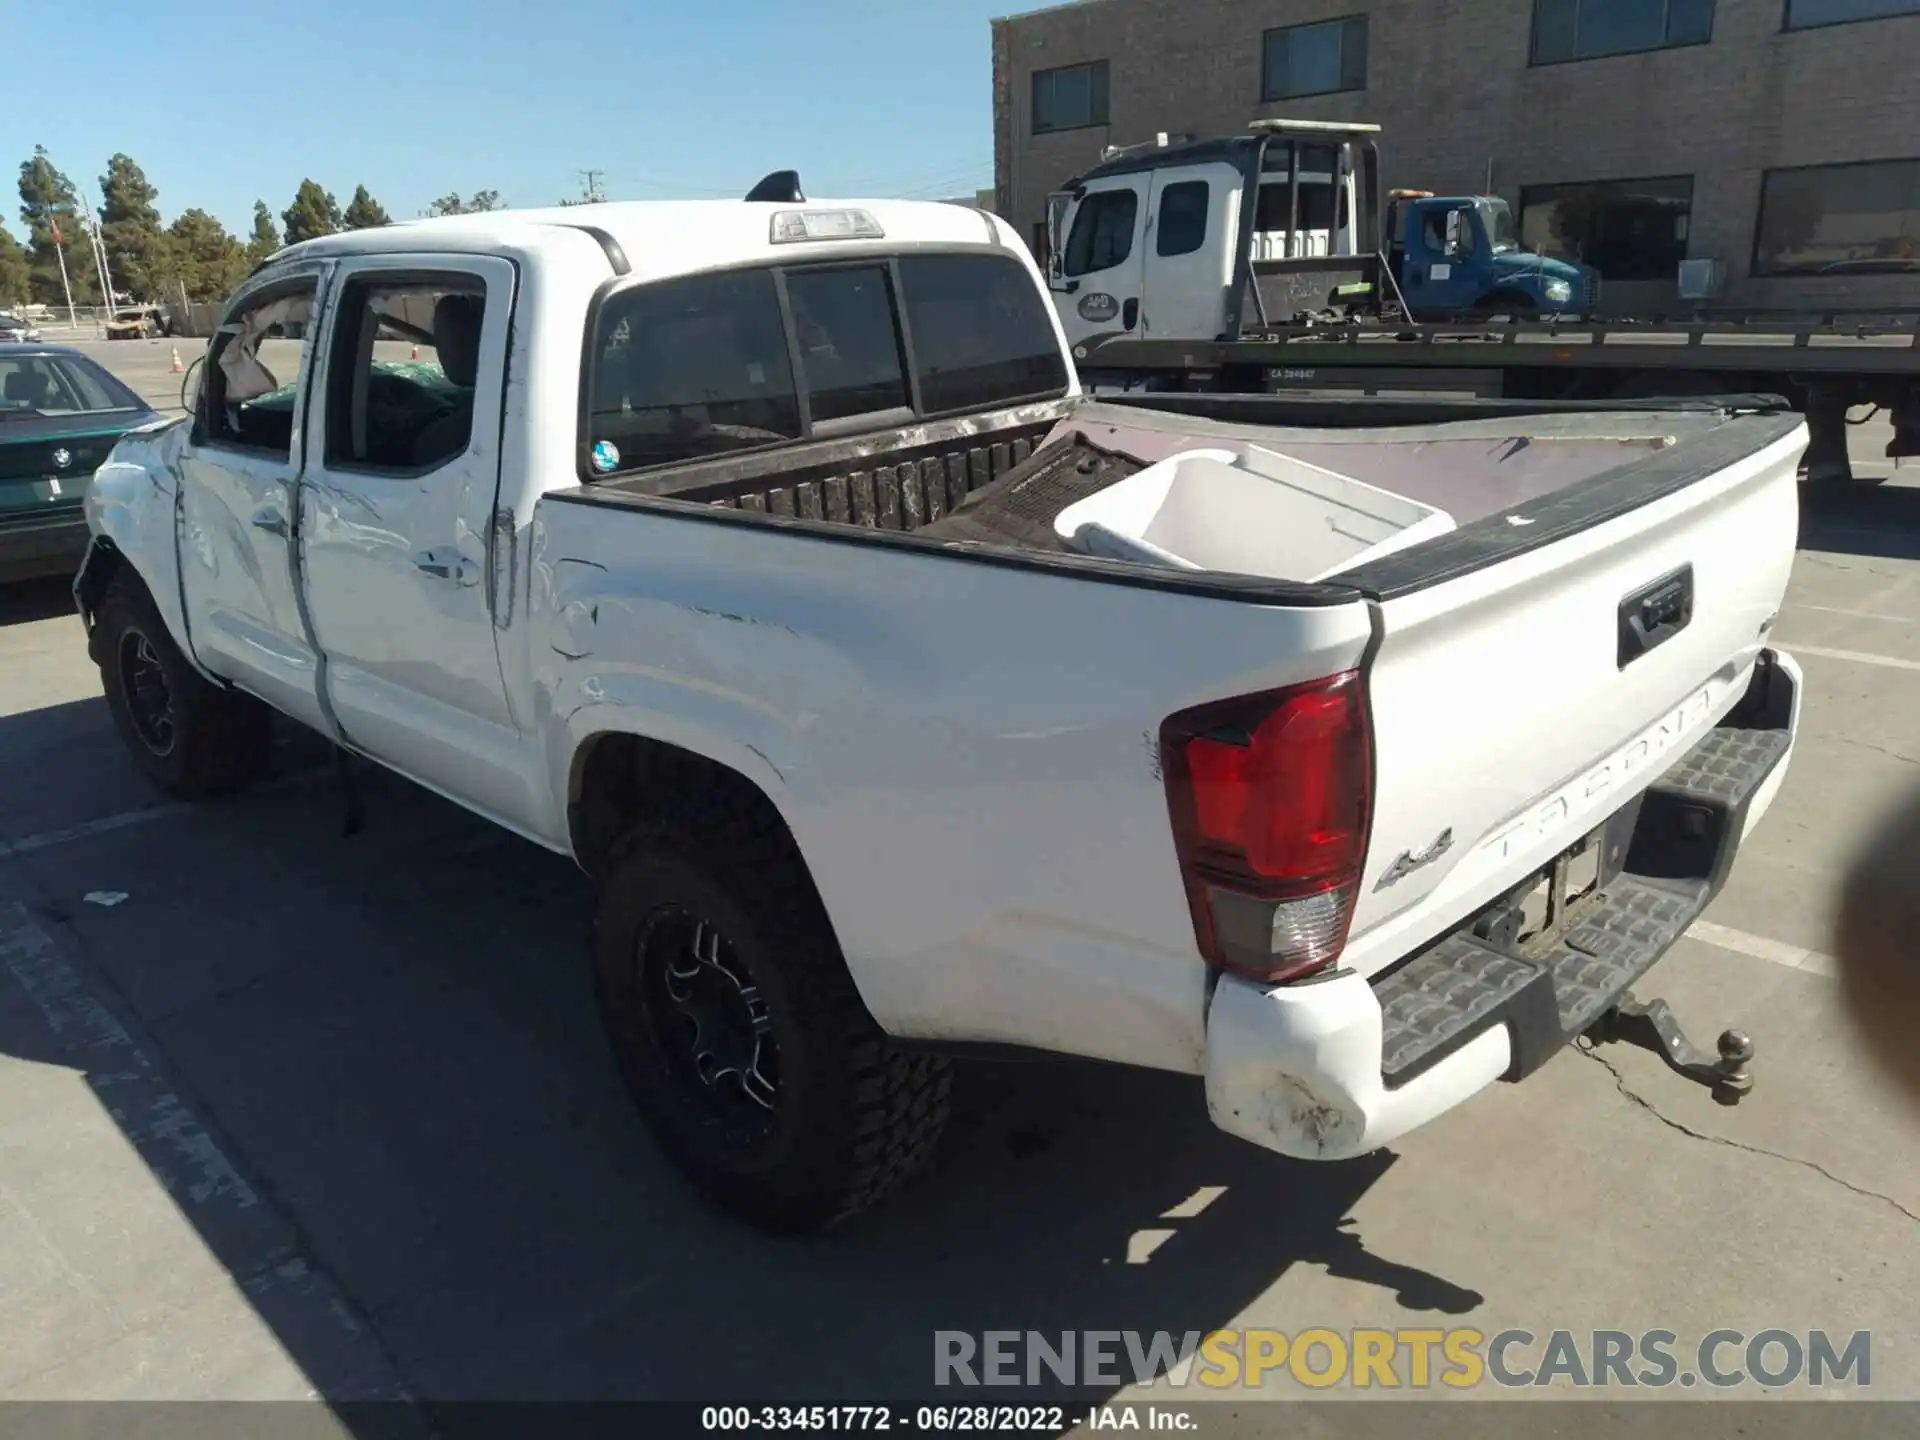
(60, 413)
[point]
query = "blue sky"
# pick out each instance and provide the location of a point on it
(224, 103)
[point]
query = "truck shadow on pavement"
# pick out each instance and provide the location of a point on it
(29, 600)
(392, 1038)
(1872, 521)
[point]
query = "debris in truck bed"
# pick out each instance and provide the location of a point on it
(1018, 508)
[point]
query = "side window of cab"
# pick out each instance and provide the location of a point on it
(1102, 235)
(403, 370)
(250, 383)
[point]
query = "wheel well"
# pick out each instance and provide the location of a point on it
(618, 779)
(104, 561)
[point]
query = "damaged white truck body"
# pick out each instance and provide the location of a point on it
(766, 558)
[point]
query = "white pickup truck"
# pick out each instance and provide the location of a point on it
(715, 546)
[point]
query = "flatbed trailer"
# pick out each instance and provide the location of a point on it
(1824, 363)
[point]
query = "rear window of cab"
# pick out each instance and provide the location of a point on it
(738, 359)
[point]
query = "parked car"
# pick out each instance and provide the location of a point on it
(60, 413)
(720, 547)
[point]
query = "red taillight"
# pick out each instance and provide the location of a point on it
(1271, 798)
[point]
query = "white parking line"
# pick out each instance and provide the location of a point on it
(193, 1174)
(29, 843)
(1859, 657)
(185, 1156)
(1759, 947)
(1855, 614)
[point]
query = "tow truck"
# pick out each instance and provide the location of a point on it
(1268, 262)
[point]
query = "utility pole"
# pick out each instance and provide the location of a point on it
(60, 254)
(594, 194)
(99, 238)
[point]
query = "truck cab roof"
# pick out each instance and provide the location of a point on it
(645, 238)
(1233, 149)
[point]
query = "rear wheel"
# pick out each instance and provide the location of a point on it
(188, 735)
(738, 1029)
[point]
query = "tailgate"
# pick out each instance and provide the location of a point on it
(1555, 660)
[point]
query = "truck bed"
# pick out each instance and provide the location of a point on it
(998, 480)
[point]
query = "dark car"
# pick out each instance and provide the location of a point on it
(60, 413)
(14, 328)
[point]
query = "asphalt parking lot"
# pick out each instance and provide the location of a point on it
(285, 1113)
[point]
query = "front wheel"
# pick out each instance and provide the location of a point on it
(739, 1032)
(189, 736)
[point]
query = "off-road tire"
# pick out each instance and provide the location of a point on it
(220, 739)
(855, 1116)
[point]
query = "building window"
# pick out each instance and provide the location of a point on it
(1070, 98)
(1861, 219)
(1588, 29)
(1315, 59)
(1102, 231)
(1811, 14)
(1625, 229)
(1181, 227)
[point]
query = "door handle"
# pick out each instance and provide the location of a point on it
(270, 520)
(448, 565)
(1129, 313)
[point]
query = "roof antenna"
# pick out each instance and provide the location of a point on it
(782, 187)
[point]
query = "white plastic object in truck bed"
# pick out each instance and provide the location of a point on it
(1248, 511)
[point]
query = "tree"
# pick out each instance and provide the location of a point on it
(127, 194)
(314, 212)
(265, 239)
(15, 272)
(130, 227)
(47, 199)
(451, 203)
(364, 212)
(204, 257)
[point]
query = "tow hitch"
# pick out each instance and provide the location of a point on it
(1652, 1026)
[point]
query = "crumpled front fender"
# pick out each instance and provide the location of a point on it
(131, 511)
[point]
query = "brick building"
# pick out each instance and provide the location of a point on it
(1779, 137)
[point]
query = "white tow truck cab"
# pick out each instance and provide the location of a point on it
(767, 559)
(1156, 237)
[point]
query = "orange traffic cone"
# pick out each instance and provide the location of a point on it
(177, 367)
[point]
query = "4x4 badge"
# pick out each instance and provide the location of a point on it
(1412, 860)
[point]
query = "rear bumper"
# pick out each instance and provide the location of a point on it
(1343, 1064)
(38, 546)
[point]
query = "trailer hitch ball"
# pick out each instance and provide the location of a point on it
(1653, 1026)
(1736, 1061)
